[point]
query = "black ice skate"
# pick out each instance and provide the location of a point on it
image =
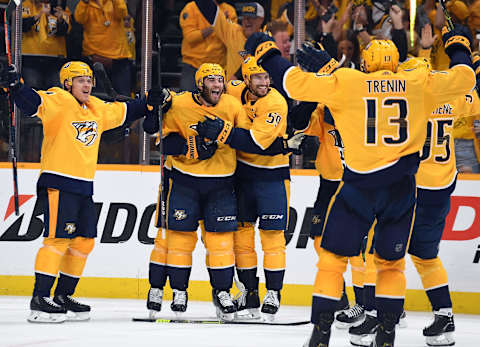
(154, 302)
(44, 310)
(385, 335)
(363, 334)
(225, 307)
(440, 332)
(76, 311)
(248, 304)
(271, 304)
(354, 316)
(321, 332)
(179, 302)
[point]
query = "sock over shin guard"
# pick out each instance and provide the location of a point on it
(179, 257)
(157, 269)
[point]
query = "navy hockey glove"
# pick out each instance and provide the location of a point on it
(215, 129)
(10, 78)
(313, 58)
(197, 148)
(261, 46)
(459, 38)
(159, 97)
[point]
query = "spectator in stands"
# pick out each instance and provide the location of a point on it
(348, 51)
(279, 31)
(104, 39)
(43, 42)
(229, 10)
(199, 44)
(231, 34)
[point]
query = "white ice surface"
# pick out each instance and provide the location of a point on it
(111, 325)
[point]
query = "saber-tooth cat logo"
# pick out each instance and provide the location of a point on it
(86, 132)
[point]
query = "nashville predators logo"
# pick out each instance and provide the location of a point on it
(316, 219)
(70, 228)
(179, 214)
(86, 132)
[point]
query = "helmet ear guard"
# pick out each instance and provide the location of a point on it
(380, 55)
(208, 69)
(74, 69)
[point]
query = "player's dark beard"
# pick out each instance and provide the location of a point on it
(258, 95)
(205, 93)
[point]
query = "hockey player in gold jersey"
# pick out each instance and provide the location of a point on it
(382, 117)
(203, 189)
(73, 122)
(262, 185)
(316, 120)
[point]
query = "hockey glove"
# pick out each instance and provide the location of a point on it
(294, 143)
(459, 38)
(197, 148)
(313, 58)
(10, 78)
(215, 129)
(261, 46)
(159, 97)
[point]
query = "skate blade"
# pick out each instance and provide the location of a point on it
(78, 316)
(345, 325)
(179, 314)
(269, 317)
(445, 339)
(361, 340)
(248, 314)
(152, 314)
(225, 316)
(44, 317)
(402, 323)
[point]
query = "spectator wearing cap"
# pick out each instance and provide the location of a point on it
(231, 34)
(199, 44)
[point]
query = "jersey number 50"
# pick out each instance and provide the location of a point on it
(371, 106)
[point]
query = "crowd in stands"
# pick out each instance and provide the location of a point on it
(109, 31)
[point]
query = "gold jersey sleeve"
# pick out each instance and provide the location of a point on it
(231, 34)
(463, 127)
(185, 112)
(268, 116)
(73, 131)
(330, 152)
(381, 116)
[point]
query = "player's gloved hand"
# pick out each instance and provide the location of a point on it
(313, 58)
(10, 78)
(459, 38)
(159, 97)
(261, 46)
(294, 143)
(215, 129)
(197, 148)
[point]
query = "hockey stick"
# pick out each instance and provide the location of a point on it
(11, 111)
(160, 142)
(101, 75)
(448, 18)
(217, 321)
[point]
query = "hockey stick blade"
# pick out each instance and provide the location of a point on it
(217, 321)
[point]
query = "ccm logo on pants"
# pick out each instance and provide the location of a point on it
(226, 218)
(272, 216)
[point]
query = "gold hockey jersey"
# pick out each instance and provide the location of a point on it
(268, 116)
(72, 132)
(330, 153)
(438, 166)
(381, 116)
(185, 112)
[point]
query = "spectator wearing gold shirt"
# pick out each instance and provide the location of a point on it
(105, 40)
